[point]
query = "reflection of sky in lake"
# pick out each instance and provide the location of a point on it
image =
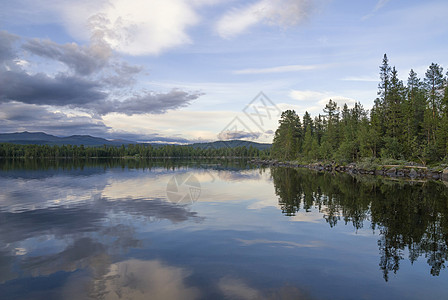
(112, 234)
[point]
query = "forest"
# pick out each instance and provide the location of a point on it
(407, 122)
(132, 150)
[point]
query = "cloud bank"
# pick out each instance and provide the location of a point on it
(93, 81)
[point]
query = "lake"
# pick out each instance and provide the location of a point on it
(216, 229)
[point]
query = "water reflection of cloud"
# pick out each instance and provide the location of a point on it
(82, 253)
(240, 175)
(233, 288)
(30, 194)
(157, 209)
(140, 187)
(289, 244)
(308, 217)
(139, 279)
(237, 289)
(21, 194)
(61, 221)
(43, 222)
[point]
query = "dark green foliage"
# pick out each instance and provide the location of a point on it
(131, 150)
(288, 136)
(407, 122)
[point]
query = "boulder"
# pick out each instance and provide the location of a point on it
(391, 172)
(413, 173)
(445, 174)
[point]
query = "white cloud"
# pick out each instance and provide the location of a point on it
(380, 4)
(238, 21)
(307, 95)
(361, 78)
(314, 101)
(340, 100)
(282, 13)
(135, 27)
(145, 27)
(279, 69)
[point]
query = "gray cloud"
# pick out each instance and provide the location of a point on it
(16, 116)
(6, 42)
(148, 102)
(61, 90)
(84, 60)
(236, 135)
(95, 80)
(149, 138)
(123, 75)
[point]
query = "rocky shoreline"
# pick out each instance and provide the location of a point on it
(398, 171)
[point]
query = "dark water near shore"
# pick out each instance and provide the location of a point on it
(130, 229)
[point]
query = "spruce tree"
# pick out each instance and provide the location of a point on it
(331, 139)
(434, 91)
(288, 136)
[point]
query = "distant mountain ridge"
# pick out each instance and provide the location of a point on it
(41, 138)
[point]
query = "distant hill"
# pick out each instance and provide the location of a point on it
(41, 138)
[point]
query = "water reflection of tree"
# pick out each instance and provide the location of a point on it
(408, 216)
(129, 163)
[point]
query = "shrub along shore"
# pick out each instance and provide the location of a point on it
(411, 171)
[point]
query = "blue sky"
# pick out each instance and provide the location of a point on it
(186, 71)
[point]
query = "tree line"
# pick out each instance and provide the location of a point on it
(407, 122)
(132, 150)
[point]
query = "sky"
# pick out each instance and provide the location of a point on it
(183, 71)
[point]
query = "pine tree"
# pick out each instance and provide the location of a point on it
(330, 142)
(394, 116)
(434, 91)
(384, 85)
(307, 123)
(442, 132)
(288, 136)
(310, 138)
(414, 106)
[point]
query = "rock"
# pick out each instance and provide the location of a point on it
(445, 174)
(379, 172)
(435, 175)
(413, 173)
(391, 172)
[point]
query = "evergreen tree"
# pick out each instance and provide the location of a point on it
(414, 106)
(308, 123)
(288, 136)
(330, 142)
(434, 84)
(393, 106)
(384, 85)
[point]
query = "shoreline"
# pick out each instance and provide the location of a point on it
(392, 171)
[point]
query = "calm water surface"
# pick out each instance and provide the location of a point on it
(216, 230)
